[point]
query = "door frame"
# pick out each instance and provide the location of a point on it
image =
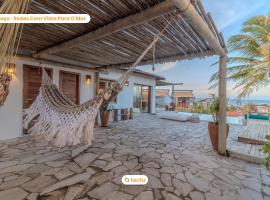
(78, 82)
(149, 97)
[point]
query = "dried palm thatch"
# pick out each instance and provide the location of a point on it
(10, 35)
(118, 31)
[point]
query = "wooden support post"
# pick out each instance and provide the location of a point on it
(122, 114)
(131, 113)
(173, 94)
(115, 115)
(96, 90)
(96, 83)
(222, 125)
(126, 114)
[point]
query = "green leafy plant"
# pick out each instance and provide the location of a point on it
(106, 107)
(195, 108)
(266, 149)
(214, 108)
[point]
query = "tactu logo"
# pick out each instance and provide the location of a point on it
(134, 180)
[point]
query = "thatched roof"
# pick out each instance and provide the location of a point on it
(112, 38)
(162, 92)
(183, 94)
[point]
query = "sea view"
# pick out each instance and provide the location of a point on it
(237, 102)
(240, 102)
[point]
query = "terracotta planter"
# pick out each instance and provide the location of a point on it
(104, 118)
(213, 133)
(173, 106)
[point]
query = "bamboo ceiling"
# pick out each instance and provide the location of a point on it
(120, 48)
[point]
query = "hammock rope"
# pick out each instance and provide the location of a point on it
(154, 57)
(62, 122)
(10, 35)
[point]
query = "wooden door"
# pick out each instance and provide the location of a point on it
(32, 77)
(70, 85)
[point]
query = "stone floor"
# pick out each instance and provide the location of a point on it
(176, 157)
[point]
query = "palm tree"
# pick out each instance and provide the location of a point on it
(250, 66)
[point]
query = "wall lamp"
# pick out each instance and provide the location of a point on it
(88, 79)
(10, 70)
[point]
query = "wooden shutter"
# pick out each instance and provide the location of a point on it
(70, 85)
(32, 77)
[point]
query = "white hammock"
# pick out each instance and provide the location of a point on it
(59, 120)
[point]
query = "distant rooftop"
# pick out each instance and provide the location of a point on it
(183, 93)
(162, 92)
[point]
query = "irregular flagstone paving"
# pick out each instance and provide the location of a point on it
(176, 157)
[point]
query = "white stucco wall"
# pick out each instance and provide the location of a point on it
(11, 111)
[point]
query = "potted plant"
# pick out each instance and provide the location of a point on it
(213, 126)
(105, 112)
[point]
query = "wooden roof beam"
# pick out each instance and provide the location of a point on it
(118, 25)
(61, 63)
(195, 20)
(161, 60)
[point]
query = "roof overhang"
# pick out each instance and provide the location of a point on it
(165, 83)
(119, 32)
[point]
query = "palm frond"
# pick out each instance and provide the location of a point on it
(258, 32)
(250, 68)
(247, 45)
(262, 20)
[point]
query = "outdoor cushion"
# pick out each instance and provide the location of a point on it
(175, 116)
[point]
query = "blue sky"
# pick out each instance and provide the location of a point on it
(229, 16)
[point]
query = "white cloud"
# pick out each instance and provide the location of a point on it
(226, 12)
(164, 67)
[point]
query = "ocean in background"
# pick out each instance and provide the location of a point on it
(237, 102)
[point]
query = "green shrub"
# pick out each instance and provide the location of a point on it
(214, 108)
(266, 149)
